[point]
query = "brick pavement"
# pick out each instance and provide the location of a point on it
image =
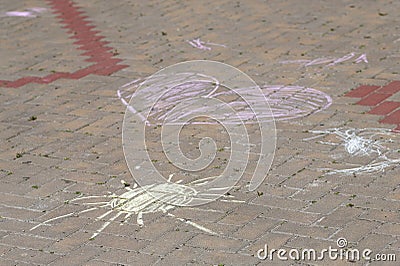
(379, 98)
(61, 121)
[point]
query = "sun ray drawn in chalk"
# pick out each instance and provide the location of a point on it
(138, 201)
(285, 102)
(367, 142)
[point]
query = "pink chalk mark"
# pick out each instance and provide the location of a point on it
(26, 14)
(319, 61)
(361, 58)
(330, 61)
(199, 44)
(30, 13)
(342, 59)
(37, 9)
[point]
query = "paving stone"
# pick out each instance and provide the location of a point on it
(290, 215)
(30, 256)
(381, 215)
(354, 231)
(389, 229)
(362, 91)
(301, 230)
(385, 108)
(216, 243)
(80, 255)
(26, 241)
(273, 240)
(375, 242)
(256, 228)
(59, 109)
(126, 257)
(340, 216)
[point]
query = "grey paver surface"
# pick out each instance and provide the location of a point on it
(62, 140)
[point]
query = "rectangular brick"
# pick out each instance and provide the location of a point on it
(243, 215)
(385, 108)
(361, 91)
(80, 256)
(340, 217)
(26, 241)
(273, 240)
(307, 243)
(95, 262)
(180, 256)
(327, 203)
(119, 242)
(69, 243)
(9, 262)
(375, 242)
(256, 228)
(366, 191)
(19, 213)
(216, 258)
(373, 99)
(391, 88)
(303, 230)
(377, 203)
(389, 229)
(354, 231)
(168, 242)
(393, 118)
(124, 257)
(196, 214)
(31, 256)
(216, 243)
(384, 216)
(272, 201)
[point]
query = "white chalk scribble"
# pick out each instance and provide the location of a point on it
(367, 142)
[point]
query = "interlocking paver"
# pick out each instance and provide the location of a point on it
(61, 123)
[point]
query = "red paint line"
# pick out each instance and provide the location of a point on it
(87, 39)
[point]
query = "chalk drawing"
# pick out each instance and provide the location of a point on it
(369, 168)
(365, 142)
(173, 99)
(138, 201)
(361, 58)
(286, 102)
(328, 61)
(28, 13)
(199, 44)
(357, 142)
